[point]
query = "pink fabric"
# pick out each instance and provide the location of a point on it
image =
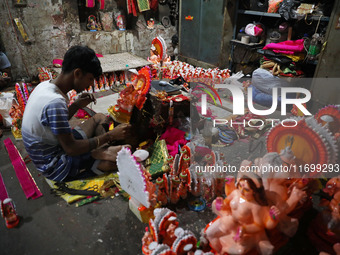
(258, 31)
(101, 4)
(3, 191)
(202, 151)
(24, 176)
(173, 138)
(286, 47)
(90, 3)
(99, 55)
(82, 114)
(57, 62)
(254, 30)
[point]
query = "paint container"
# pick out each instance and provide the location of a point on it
(245, 39)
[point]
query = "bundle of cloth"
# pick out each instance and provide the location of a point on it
(286, 47)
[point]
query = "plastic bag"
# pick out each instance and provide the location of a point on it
(274, 6)
(5, 105)
(254, 29)
(286, 9)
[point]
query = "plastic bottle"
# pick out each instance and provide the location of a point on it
(314, 47)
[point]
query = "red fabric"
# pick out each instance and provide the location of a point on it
(3, 191)
(90, 3)
(101, 4)
(57, 62)
(134, 8)
(82, 114)
(202, 151)
(131, 7)
(128, 5)
(177, 98)
(24, 176)
(173, 138)
(286, 47)
(153, 5)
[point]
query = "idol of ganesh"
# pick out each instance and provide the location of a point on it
(243, 217)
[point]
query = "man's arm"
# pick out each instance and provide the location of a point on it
(72, 109)
(83, 100)
(73, 147)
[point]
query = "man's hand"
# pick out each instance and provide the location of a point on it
(84, 99)
(121, 132)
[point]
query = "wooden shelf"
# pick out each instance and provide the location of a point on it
(250, 45)
(256, 13)
(276, 15)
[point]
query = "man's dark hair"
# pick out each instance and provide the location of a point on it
(83, 58)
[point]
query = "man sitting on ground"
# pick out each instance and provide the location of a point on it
(59, 152)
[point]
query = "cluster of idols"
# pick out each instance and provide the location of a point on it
(180, 180)
(255, 214)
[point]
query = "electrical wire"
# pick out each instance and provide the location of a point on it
(317, 26)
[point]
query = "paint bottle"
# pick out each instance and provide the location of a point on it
(314, 47)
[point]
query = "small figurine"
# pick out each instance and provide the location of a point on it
(197, 186)
(184, 159)
(112, 79)
(9, 214)
(170, 160)
(101, 83)
(324, 231)
(16, 114)
(162, 189)
(284, 190)
(92, 24)
(151, 24)
(133, 95)
(150, 186)
(120, 22)
(174, 195)
(208, 188)
(183, 186)
(146, 241)
(169, 237)
(243, 218)
(154, 57)
(333, 189)
(219, 184)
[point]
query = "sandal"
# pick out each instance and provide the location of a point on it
(227, 136)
